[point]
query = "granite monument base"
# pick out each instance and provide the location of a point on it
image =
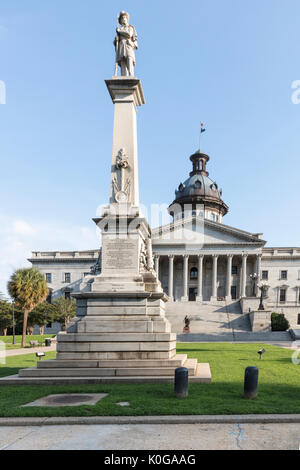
(119, 337)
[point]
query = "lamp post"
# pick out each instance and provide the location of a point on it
(13, 320)
(263, 288)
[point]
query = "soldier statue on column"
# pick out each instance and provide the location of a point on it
(125, 44)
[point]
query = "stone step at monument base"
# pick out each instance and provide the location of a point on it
(119, 347)
(176, 361)
(116, 355)
(115, 337)
(118, 325)
(202, 375)
(190, 364)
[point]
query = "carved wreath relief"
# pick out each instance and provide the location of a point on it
(121, 184)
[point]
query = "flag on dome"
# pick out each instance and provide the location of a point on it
(202, 127)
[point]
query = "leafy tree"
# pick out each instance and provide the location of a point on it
(28, 288)
(41, 316)
(64, 310)
(5, 316)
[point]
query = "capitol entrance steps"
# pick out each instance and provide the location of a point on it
(218, 318)
(216, 322)
(211, 321)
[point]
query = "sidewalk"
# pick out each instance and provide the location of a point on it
(259, 432)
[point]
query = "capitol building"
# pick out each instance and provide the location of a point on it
(200, 261)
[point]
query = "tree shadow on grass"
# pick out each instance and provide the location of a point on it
(287, 360)
(6, 371)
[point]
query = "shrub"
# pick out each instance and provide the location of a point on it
(279, 322)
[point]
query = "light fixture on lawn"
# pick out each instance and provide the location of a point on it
(260, 352)
(40, 355)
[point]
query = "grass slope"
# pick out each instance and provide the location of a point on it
(279, 387)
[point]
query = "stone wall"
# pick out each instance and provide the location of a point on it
(260, 321)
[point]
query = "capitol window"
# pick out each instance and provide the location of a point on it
(49, 278)
(282, 295)
(194, 273)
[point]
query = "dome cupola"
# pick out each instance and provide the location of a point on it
(199, 195)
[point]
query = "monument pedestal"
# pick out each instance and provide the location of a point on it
(120, 337)
(120, 332)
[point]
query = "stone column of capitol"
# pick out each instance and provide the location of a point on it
(120, 332)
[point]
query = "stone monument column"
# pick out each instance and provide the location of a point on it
(126, 94)
(126, 237)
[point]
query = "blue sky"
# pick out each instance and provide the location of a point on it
(230, 64)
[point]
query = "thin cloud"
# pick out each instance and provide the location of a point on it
(22, 228)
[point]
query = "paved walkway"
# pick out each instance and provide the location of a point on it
(21, 351)
(236, 436)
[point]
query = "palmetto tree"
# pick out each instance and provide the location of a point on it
(28, 288)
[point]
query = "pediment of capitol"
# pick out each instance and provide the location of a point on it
(200, 234)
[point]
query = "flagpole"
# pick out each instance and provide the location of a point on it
(202, 129)
(200, 139)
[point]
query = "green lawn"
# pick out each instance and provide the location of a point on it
(8, 340)
(279, 387)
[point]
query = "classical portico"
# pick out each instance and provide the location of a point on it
(207, 276)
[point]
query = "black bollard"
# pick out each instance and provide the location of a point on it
(251, 382)
(181, 383)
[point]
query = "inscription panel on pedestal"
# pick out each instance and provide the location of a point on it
(120, 255)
